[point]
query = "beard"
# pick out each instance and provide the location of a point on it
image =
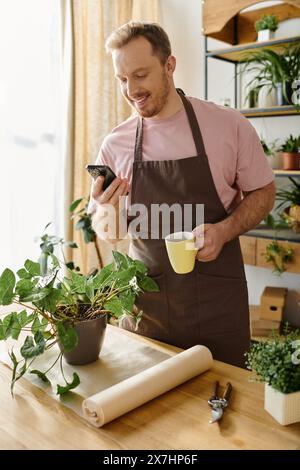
(155, 102)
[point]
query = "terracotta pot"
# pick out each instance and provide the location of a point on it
(290, 161)
(91, 335)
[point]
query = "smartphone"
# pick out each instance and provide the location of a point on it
(102, 170)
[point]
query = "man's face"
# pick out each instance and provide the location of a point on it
(144, 81)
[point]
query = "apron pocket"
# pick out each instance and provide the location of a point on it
(223, 304)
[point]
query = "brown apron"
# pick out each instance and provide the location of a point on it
(208, 306)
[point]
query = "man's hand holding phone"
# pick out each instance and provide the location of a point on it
(106, 220)
(119, 187)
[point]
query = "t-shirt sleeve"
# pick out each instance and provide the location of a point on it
(253, 169)
(100, 160)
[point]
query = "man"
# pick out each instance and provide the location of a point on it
(183, 150)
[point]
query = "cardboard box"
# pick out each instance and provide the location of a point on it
(272, 303)
(261, 327)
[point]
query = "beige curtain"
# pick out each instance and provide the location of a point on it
(95, 99)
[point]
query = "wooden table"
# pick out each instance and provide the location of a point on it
(176, 420)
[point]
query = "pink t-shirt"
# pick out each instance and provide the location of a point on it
(236, 157)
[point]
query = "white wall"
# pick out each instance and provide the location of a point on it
(182, 19)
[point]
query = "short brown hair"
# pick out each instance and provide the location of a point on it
(154, 33)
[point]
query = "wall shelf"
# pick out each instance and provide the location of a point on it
(274, 111)
(263, 231)
(287, 173)
(237, 54)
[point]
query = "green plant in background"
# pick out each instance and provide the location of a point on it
(275, 224)
(291, 144)
(291, 196)
(269, 149)
(84, 223)
(55, 302)
(278, 256)
(273, 362)
(267, 22)
(271, 69)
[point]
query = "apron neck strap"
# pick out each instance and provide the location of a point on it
(193, 125)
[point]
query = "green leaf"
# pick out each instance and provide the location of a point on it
(114, 306)
(7, 284)
(15, 363)
(24, 287)
(90, 289)
(149, 285)
(127, 300)
(71, 244)
(14, 371)
(41, 375)
(32, 267)
(77, 283)
(67, 336)
(16, 329)
(120, 260)
(88, 235)
(2, 335)
(102, 275)
(75, 382)
(140, 267)
(39, 325)
(50, 302)
(23, 274)
(33, 347)
(37, 295)
(24, 319)
(125, 276)
(8, 324)
(75, 204)
(70, 265)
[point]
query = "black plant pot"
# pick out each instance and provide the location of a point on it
(91, 335)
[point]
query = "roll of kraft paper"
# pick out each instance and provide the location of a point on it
(117, 400)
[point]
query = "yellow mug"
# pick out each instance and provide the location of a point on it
(182, 251)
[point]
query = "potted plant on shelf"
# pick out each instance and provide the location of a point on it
(276, 362)
(272, 153)
(291, 196)
(291, 153)
(266, 27)
(272, 71)
(70, 309)
(278, 255)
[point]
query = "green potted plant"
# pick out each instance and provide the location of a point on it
(291, 153)
(291, 212)
(68, 309)
(273, 71)
(278, 255)
(276, 362)
(271, 153)
(266, 27)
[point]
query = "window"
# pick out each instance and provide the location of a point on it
(31, 159)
